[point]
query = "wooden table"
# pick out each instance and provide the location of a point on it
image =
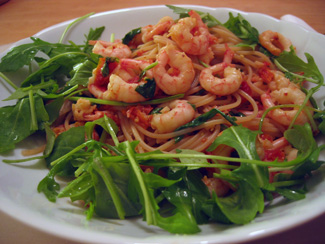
(22, 18)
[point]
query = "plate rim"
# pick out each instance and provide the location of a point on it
(65, 23)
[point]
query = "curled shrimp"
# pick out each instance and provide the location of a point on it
(220, 86)
(191, 34)
(216, 185)
(125, 79)
(174, 72)
(285, 95)
(149, 31)
(84, 111)
(173, 115)
(114, 49)
(279, 81)
(120, 85)
(274, 42)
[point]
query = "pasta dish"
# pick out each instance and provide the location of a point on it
(183, 121)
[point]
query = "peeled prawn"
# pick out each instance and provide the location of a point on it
(221, 86)
(125, 79)
(84, 111)
(274, 42)
(148, 32)
(285, 95)
(191, 34)
(173, 115)
(114, 49)
(174, 72)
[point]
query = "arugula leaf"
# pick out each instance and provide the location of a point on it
(192, 160)
(179, 222)
(148, 89)
(93, 34)
(77, 187)
(291, 63)
(15, 122)
(107, 124)
(81, 73)
(199, 120)
(320, 116)
(65, 142)
(21, 55)
(243, 140)
(53, 108)
(301, 137)
(22, 92)
(242, 28)
(241, 206)
(130, 35)
(189, 194)
(291, 194)
(111, 187)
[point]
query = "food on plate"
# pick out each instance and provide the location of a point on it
(183, 122)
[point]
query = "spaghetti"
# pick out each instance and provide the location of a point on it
(177, 71)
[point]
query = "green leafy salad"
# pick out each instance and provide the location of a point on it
(112, 180)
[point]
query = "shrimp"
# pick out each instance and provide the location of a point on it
(286, 95)
(191, 34)
(114, 49)
(84, 111)
(274, 42)
(207, 57)
(173, 115)
(279, 81)
(125, 79)
(216, 185)
(269, 148)
(174, 72)
(120, 85)
(149, 31)
(221, 86)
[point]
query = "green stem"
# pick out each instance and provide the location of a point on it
(51, 60)
(276, 62)
(116, 103)
(76, 149)
(8, 81)
(34, 125)
(110, 185)
(111, 131)
(138, 173)
(301, 107)
(287, 183)
(222, 158)
(67, 92)
(71, 24)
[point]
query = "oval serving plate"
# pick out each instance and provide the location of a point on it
(18, 183)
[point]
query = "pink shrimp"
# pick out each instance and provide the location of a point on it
(122, 81)
(285, 95)
(84, 111)
(174, 72)
(173, 115)
(191, 34)
(114, 49)
(125, 79)
(216, 185)
(221, 86)
(274, 42)
(149, 31)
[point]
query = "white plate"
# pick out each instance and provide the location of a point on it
(18, 183)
